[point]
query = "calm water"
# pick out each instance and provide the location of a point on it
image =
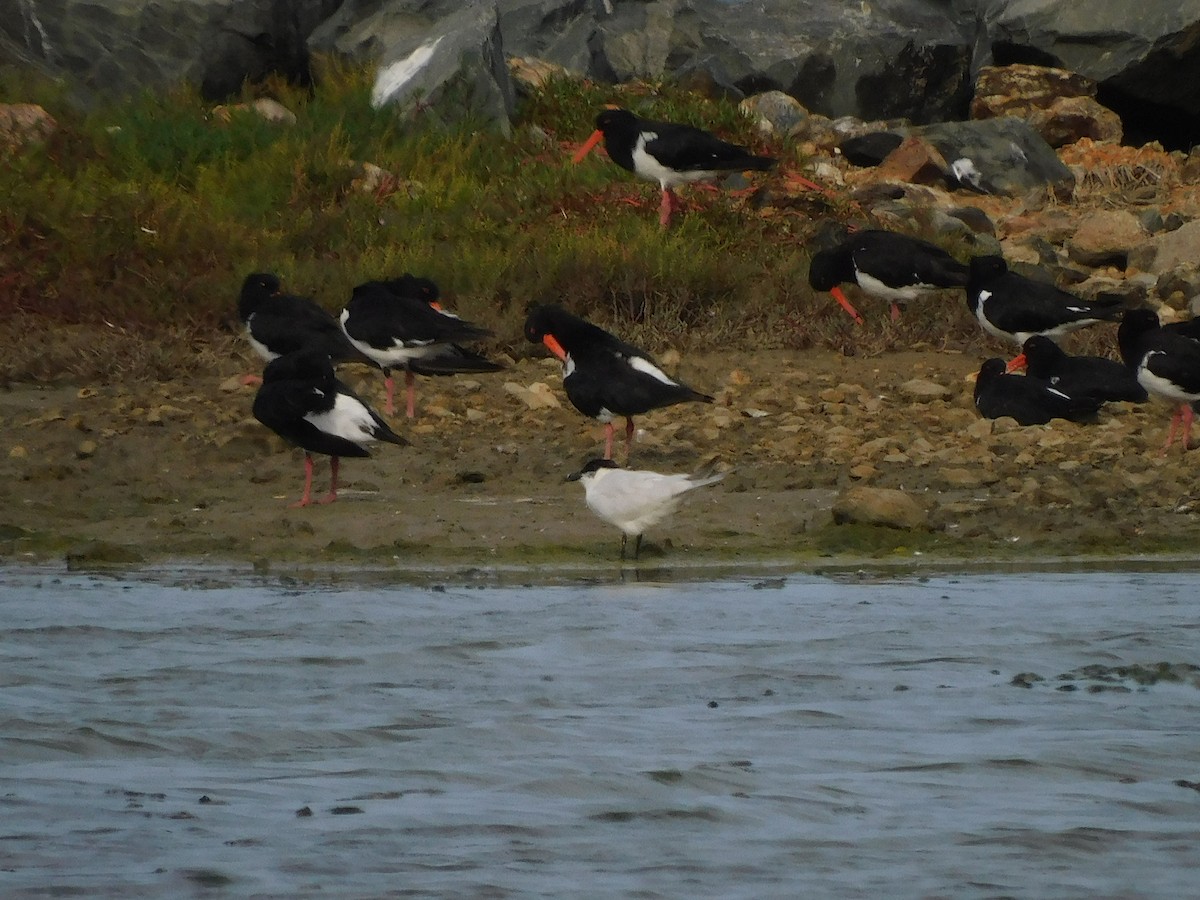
(806, 736)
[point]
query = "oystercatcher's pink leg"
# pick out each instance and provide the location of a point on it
(410, 381)
(895, 313)
(1175, 420)
(334, 463)
(1187, 425)
(666, 210)
(628, 437)
(391, 393)
(608, 440)
(306, 499)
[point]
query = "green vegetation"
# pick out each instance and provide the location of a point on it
(150, 213)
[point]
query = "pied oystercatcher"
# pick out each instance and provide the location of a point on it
(1014, 308)
(399, 324)
(1029, 400)
(634, 500)
(1093, 376)
(278, 323)
(1167, 364)
(603, 376)
(303, 402)
(668, 153)
(884, 264)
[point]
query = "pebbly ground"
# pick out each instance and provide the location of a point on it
(137, 473)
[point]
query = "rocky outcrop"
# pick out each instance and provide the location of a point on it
(914, 59)
(1060, 105)
(448, 67)
(1145, 59)
(111, 48)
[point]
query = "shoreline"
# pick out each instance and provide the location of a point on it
(150, 473)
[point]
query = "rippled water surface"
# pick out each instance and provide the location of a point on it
(803, 736)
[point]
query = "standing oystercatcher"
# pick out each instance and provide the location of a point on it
(1167, 363)
(668, 153)
(634, 500)
(1013, 307)
(302, 401)
(603, 376)
(277, 324)
(1093, 376)
(1029, 400)
(887, 265)
(399, 324)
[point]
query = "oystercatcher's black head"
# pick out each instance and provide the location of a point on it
(1041, 353)
(615, 120)
(413, 286)
(1135, 324)
(255, 289)
(540, 322)
(829, 268)
(299, 365)
(984, 268)
(990, 370)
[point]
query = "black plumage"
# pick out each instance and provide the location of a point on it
(277, 324)
(1091, 376)
(1013, 307)
(1029, 400)
(1167, 364)
(399, 324)
(603, 376)
(303, 402)
(669, 153)
(887, 265)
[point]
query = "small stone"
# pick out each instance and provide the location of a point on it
(85, 450)
(924, 389)
(878, 506)
(18, 452)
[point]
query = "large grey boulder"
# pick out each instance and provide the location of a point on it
(445, 60)
(1000, 156)
(885, 59)
(123, 46)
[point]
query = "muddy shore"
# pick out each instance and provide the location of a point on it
(149, 473)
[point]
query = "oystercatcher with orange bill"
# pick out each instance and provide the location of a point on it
(1167, 364)
(303, 402)
(1094, 376)
(668, 153)
(604, 377)
(1015, 308)
(399, 324)
(887, 265)
(278, 323)
(1029, 400)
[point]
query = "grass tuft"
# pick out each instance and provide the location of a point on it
(145, 216)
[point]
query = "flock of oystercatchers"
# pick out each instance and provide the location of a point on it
(399, 324)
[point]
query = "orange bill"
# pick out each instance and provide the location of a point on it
(435, 305)
(1017, 362)
(587, 146)
(554, 346)
(841, 298)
